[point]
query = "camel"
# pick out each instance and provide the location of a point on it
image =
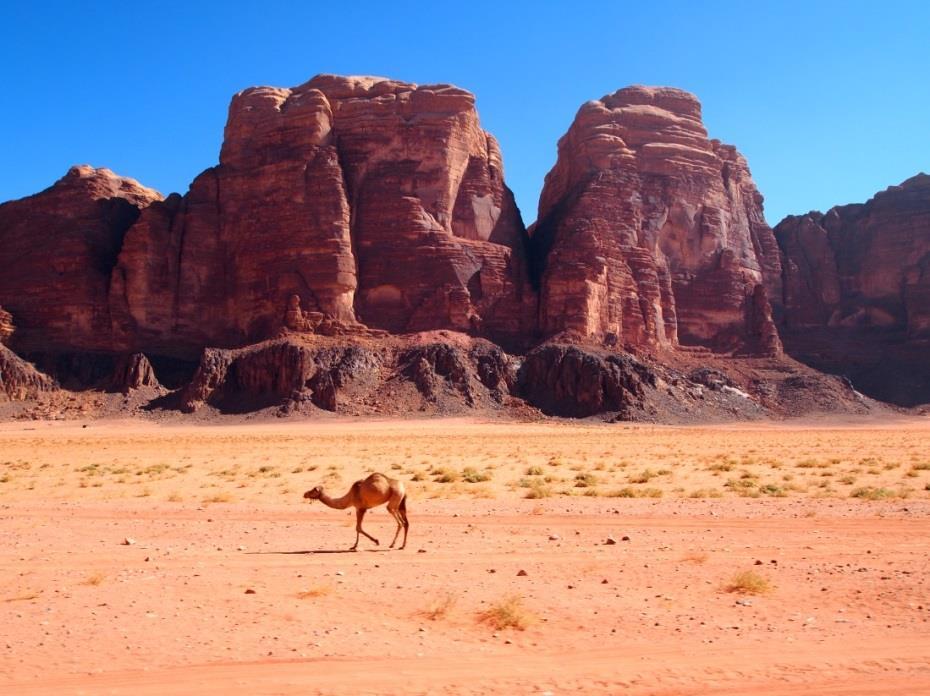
(365, 494)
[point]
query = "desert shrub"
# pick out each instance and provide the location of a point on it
(585, 480)
(472, 475)
(773, 490)
(748, 582)
(644, 476)
(445, 474)
(440, 606)
(870, 493)
(507, 613)
(538, 489)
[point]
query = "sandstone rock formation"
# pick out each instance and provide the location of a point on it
(357, 250)
(857, 291)
(18, 378)
(6, 325)
(386, 376)
(57, 249)
(369, 200)
(651, 234)
(566, 381)
(133, 372)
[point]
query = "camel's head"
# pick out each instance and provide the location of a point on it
(314, 493)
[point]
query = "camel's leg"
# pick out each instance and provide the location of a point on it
(359, 516)
(402, 511)
(397, 518)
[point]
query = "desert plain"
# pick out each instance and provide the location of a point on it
(549, 557)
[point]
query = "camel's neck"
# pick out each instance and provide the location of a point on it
(338, 503)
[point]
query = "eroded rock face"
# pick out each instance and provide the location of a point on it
(18, 379)
(386, 376)
(564, 380)
(857, 291)
(652, 234)
(369, 200)
(133, 372)
(57, 249)
(6, 325)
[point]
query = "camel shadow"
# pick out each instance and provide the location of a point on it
(304, 553)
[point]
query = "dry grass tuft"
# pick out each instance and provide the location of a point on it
(23, 597)
(315, 591)
(697, 557)
(94, 579)
(508, 613)
(219, 498)
(472, 475)
(870, 493)
(537, 489)
(440, 607)
(748, 582)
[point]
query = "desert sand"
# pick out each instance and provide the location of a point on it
(764, 558)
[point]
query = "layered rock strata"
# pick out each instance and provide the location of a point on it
(57, 251)
(18, 378)
(857, 291)
(651, 234)
(368, 200)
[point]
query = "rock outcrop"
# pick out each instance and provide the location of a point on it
(133, 372)
(857, 291)
(18, 379)
(387, 376)
(57, 250)
(6, 326)
(564, 380)
(651, 234)
(368, 200)
(357, 250)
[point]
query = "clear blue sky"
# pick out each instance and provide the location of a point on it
(829, 101)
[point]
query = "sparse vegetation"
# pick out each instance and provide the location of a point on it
(472, 475)
(870, 493)
(538, 489)
(748, 582)
(628, 492)
(645, 476)
(440, 607)
(507, 613)
(315, 591)
(585, 480)
(445, 474)
(697, 557)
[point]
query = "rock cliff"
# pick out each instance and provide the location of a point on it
(857, 291)
(57, 250)
(651, 234)
(369, 200)
(357, 250)
(18, 379)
